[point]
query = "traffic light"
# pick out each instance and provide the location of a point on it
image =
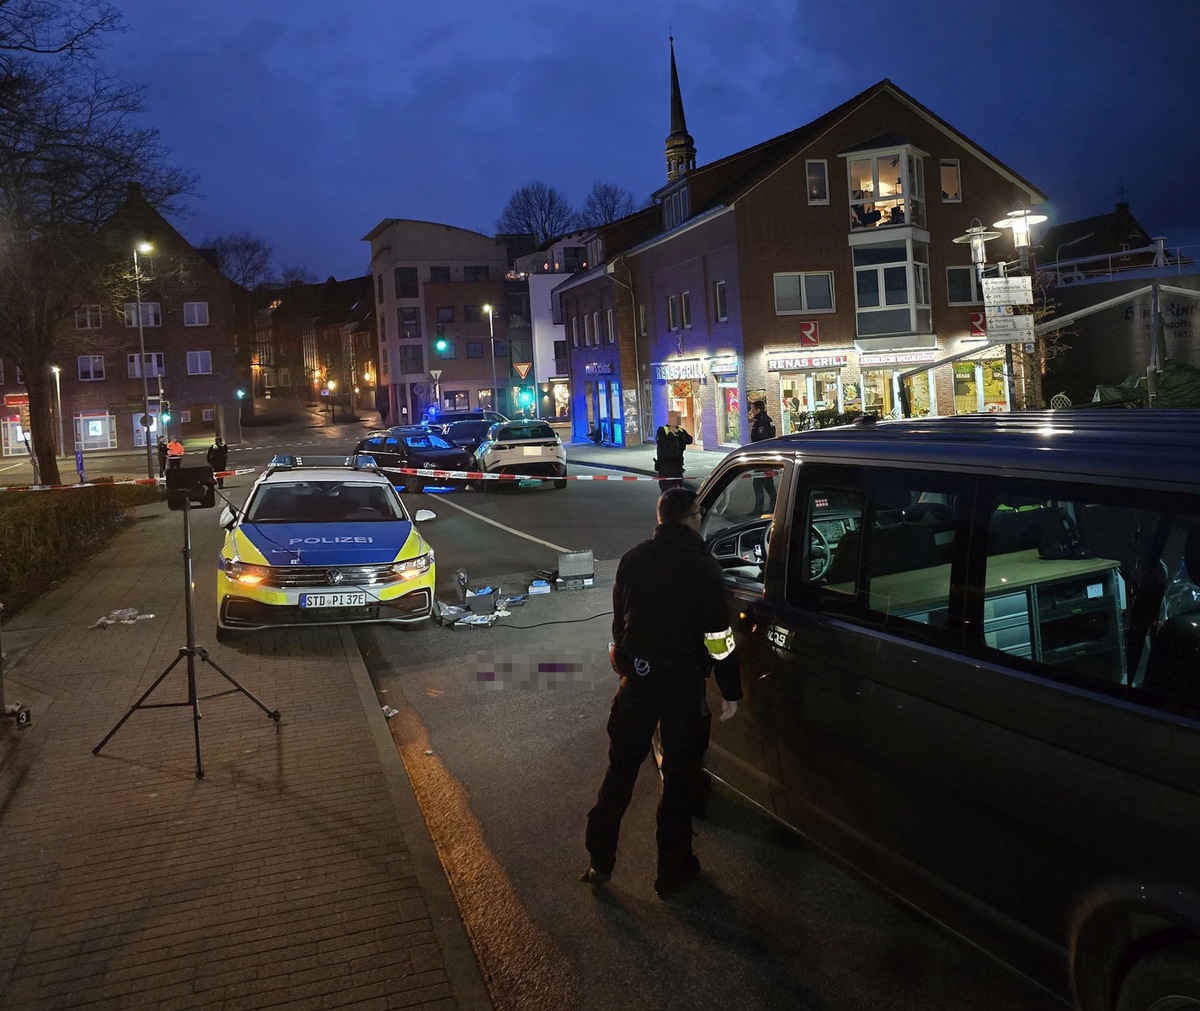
(440, 340)
(164, 409)
(241, 394)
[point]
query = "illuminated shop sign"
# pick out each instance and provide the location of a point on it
(598, 369)
(692, 369)
(790, 363)
(723, 365)
(897, 358)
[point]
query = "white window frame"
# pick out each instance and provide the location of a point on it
(685, 309)
(672, 313)
(208, 414)
(802, 292)
(916, 289)
(196, 362)
(720, 295)
(154, 362)
(88, 317)
(587, 330)
(610, 332)
(943, 165)
(976, 287)
(151, 314)
(185, 417)
(88, 374)
(814, 192)
(891, 188)
(596, 326)
(192, 313)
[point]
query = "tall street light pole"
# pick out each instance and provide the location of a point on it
(58, 402)
(143, 247)
(492, 340)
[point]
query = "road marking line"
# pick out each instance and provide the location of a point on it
(487, 519)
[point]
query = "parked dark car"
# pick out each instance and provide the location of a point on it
(443, 419)
(467, 434)
(415, 446)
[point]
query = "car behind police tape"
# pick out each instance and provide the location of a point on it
(322, 540)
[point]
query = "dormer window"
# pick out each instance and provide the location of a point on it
(675, 208)
(886, 188)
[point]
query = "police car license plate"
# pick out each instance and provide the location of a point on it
(333, 599)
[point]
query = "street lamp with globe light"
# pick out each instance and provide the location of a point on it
(143, 247)
(492, 341)
(58, 402)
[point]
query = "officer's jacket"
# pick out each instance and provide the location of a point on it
(763, 428)
(669, 608)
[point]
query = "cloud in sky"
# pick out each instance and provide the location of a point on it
(309, 122)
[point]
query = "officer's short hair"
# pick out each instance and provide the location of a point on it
(675, 504)
(760, 404)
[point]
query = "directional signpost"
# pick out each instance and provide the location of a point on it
(1000, 297)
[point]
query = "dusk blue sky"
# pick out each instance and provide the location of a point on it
(309, 122)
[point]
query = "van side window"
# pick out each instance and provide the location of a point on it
(1092, 586)
(882, 551)
(734, 531)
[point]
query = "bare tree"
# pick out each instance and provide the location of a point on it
(49, 28)
(241, 257)
(69, 147)
(538, 210)
(605, 203)
(295, 274)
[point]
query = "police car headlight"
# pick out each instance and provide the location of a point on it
(246, 574)
(411, 568)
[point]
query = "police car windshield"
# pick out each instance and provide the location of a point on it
(325, 502)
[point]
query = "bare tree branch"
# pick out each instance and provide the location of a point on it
(539, 210)
(74, 28)
(241, 257)
(606, 203)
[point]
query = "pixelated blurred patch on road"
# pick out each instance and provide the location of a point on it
(553, 670)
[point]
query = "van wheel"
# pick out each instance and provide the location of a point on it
(561, 483)
(1166, 981)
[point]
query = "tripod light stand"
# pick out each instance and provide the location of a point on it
(185, 486)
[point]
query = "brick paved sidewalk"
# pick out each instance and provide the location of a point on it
(297, 873)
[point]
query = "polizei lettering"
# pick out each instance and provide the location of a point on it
(331, 540)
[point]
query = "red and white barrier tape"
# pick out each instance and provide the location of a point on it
(99, 484)
(478, 475)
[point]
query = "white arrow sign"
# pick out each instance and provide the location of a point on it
(1007, 290)
(1007, 324)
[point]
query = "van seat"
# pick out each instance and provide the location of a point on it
(899, 548)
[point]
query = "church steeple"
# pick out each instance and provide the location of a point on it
(681, 149)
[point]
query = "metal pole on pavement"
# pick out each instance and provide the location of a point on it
(144, 247)
(492, 341)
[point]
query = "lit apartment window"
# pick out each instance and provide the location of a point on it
(818, 182)
(887, 188)
(951, 183)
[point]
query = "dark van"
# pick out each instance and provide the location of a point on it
(971, 656)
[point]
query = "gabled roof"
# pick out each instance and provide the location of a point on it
(1096, 236)
(722, 182)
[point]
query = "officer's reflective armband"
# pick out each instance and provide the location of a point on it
(720, 644)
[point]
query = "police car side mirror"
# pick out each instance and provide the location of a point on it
(424, 514)
(228, 517)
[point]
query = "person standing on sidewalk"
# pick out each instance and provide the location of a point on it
(217, 457)
(162, 456)
(762, 428)
(670, 441)
(670, 627)
(174, 453)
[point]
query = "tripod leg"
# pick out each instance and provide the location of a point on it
(138, 704)
(273, 713)
(195, 703)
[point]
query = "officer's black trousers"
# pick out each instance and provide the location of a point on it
(677, 707)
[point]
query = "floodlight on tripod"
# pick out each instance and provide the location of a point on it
(188, 488)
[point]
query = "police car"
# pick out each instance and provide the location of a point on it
(322, 540)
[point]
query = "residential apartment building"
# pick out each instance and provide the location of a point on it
(429, 275)
(816, 270)
(182, 352)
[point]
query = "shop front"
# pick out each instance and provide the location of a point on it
(605, 407)
(980, 386)
(682, 380)
(881, 382)
(724, 372)
(808, 384)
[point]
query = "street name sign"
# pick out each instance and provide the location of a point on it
(1007, 324)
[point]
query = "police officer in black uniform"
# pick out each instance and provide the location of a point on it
(762, 428)
(670, 626)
